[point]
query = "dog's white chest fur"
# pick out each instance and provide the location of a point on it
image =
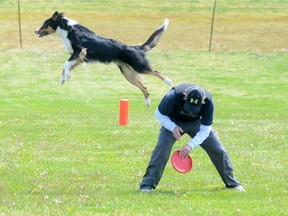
(63, 35)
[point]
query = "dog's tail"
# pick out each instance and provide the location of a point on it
(155, 37)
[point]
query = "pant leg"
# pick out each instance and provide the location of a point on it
(159, 159)
(219, 157)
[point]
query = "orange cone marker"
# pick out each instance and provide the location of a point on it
(123, 115)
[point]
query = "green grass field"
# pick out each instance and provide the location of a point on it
(62, 150)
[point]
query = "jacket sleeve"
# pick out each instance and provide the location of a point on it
(165, 121)
(202, 135)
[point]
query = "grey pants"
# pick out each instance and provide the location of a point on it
(211, 145)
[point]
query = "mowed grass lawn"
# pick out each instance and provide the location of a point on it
(62, 150)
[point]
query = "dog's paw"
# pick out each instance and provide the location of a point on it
(147, 102)
(62, 80)
(168, 82)
(67, 76)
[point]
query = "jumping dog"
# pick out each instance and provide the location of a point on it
(79, 40)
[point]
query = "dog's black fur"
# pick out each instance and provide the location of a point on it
(131, 60)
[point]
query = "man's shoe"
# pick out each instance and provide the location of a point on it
(240, 188)
(146, 189)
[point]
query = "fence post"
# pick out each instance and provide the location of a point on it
(19, 19)
(212, 25)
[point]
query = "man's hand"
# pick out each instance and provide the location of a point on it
(185, 151)
(177, 132)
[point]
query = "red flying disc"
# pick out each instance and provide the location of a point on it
(182, 165)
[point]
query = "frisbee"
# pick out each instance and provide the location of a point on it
(181, 165)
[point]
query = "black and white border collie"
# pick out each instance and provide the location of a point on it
(131, 60)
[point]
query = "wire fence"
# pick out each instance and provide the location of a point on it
(20, 29)
(262, 26)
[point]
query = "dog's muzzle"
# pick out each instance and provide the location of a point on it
(40, 32)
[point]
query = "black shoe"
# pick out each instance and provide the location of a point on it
(146, 189)
(238, 188)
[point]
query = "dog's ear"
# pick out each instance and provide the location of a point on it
(61, 15)
(57, 15)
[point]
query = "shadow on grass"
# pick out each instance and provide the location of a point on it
(181, 192)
